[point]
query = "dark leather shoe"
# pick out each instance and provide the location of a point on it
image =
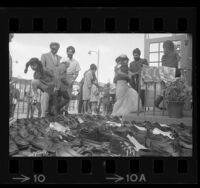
(13, 149)
(21, 143)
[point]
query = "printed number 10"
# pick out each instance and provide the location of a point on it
(39, 178)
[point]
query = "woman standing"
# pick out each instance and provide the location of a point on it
(126, 97)
(89, 78)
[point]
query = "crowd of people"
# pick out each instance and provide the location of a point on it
(55, 75)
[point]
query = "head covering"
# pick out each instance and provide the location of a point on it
(54, 43)
(121, 58)
(71, 48)
(137, 51)
(168, 44)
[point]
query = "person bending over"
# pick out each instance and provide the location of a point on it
(43, 79)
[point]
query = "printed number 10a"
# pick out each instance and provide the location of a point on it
(135, 178)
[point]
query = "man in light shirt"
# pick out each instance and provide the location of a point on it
(50, 62)
(72, 70)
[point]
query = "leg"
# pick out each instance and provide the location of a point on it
(38, 105)
(88, 106)
(35, 85)
(84, 106)
(142, 94)
(44, 103)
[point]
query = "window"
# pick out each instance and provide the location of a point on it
(156, 52)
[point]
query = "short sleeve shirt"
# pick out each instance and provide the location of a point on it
(73, 66)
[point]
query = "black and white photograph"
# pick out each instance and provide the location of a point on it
(100, 95)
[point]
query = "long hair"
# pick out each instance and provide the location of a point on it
(39, 65)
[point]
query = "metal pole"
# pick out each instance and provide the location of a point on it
(98, 64)
(138, 111)
(154, 98)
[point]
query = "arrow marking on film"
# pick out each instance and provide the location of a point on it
(23, 178)
(117, 178)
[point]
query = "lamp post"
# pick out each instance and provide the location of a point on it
(97, 52)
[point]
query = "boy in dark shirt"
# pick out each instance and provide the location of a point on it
(136, 66)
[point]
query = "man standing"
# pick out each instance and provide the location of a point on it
(72, 70)
(136, 66)
(50, 62)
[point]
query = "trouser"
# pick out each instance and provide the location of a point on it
(142, 97)
(80, 106)
(57, 101)
(69, 88)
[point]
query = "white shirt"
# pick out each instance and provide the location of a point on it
(73, 66)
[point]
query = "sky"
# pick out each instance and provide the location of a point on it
(25, 46)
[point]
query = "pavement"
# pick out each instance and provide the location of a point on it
(148, 116)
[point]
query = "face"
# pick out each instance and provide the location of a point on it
(125, 62)
(136, 56)
(70, 54)
(166, 51)
(34, 66)
(54, 49)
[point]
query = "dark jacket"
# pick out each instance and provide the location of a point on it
(136, 66)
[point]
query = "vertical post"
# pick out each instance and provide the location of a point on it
(28, 102)
(145, 98)
(19, 99)
(138, 113)
(163, 104)
(98, 65)
(24, 96)
(154, 98)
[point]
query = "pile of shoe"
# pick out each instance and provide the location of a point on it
(95, 135)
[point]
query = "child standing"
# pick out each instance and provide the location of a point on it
(94, 98)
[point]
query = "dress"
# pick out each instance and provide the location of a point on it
(88, 78)
(94, 94)
(126, 98)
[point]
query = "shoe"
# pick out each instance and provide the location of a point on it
(13, 149)
(23, 133)
(21, 143)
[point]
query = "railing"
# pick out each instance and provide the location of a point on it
(22, 108)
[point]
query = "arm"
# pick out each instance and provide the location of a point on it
(77, 71)
(76, 75)
(48, 73)
(146, 62)
(43, 60)
(26, 68)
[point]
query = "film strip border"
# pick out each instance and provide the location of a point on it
(106, 20)
(97, 170)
